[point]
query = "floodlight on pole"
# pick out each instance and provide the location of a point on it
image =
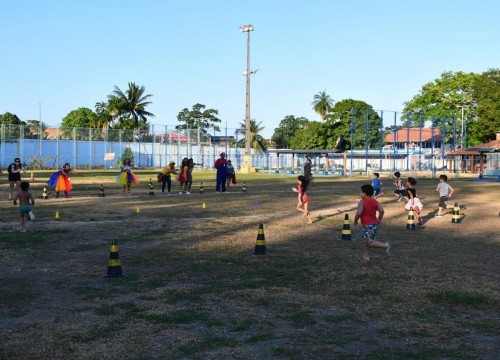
(246, 161)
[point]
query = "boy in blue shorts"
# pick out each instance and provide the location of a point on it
(26, 202)
(367, 212)
(377, 186)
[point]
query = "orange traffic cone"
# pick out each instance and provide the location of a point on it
(114, 264)
(260, 244)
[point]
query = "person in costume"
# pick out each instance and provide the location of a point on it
(165, 177)
(221, 166)
(126, 178)
(60, 180)
(14, 171)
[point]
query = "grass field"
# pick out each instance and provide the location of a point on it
(194, 290)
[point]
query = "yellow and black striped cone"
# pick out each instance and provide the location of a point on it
(151, 190)
(260, 244)
(346, 229)
(56, 217)
(455, 218)
(101, 191)
(410, 224)
(244, 188)
(114, 264)
(45, 196)
(202, 190)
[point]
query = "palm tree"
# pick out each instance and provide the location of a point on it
(257, 141)
(134, 103)
(322, 104)
(114, 107)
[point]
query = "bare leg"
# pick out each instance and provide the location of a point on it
(307, 214)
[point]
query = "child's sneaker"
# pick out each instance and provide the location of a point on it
(420, 222)
(388, 248)
(31, 215)
(188, 193)
(399, 200)
(439, 215)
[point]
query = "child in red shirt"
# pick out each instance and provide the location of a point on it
(367, 212)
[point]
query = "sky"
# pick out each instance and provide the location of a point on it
(60, 55)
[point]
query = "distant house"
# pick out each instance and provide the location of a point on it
(51, 133)
(413, 137)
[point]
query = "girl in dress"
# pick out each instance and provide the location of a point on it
(414, 202)
(60, 180)
(303, 199)
(183, 177)
(126, 176)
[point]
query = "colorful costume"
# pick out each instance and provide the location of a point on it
(221, 166)
(60, 180)
(126, 176)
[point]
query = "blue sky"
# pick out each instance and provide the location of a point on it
(68, 54)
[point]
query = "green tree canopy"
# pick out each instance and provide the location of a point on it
(487, 95)
(286, 130)
(10, 119)
(199, 117)
(355, 112)
(81, 118)
(314, 135)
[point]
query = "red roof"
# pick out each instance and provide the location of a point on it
(401, 136)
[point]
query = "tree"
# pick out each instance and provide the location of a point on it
(443, 97)
(487, 95)
(355, 113)
(286, 130)
(198, 117)
(255, 137)
(133, 110)
(10, 119)
(314, 135)
(81, 118)
(322, 104)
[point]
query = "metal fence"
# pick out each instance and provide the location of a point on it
(419, 142)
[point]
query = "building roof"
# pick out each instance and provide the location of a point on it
(463, 153)
(401, 136)
(493, 145)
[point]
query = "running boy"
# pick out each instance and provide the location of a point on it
(400, 191)
(377, 186)
(445, 192)
(367, 212)
(26, 202)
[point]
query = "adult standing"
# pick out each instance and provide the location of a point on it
(307, 169)
(166, 179)
(14, 171)
(221, 166)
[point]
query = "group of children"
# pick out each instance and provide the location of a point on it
(368, 206)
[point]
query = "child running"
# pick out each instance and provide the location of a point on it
(400, 191)
(60, 180)
(303, 199)
(377, 186)
(26, 202)
(367, 212)
(445, 192)
(414, 202)
(126, 177)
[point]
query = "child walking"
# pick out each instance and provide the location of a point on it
(400, 191)
(303, 198)
(377, 186)
(126, 177)
(367, 212)
(445, 192)
(26, 202)
(60, 180)
(414, 202)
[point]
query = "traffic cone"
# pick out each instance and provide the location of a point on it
(244, 188)
(346, 229)
(45, 196)
(455, 218)
(114, 264)
(260, 244)
(204, 206)
(137, 211)
(101, 191)
(151, 190)
(57, 216)
(410, 224)
(202, 190)
(32, 177)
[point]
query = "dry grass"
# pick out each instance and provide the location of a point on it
(195, 291)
